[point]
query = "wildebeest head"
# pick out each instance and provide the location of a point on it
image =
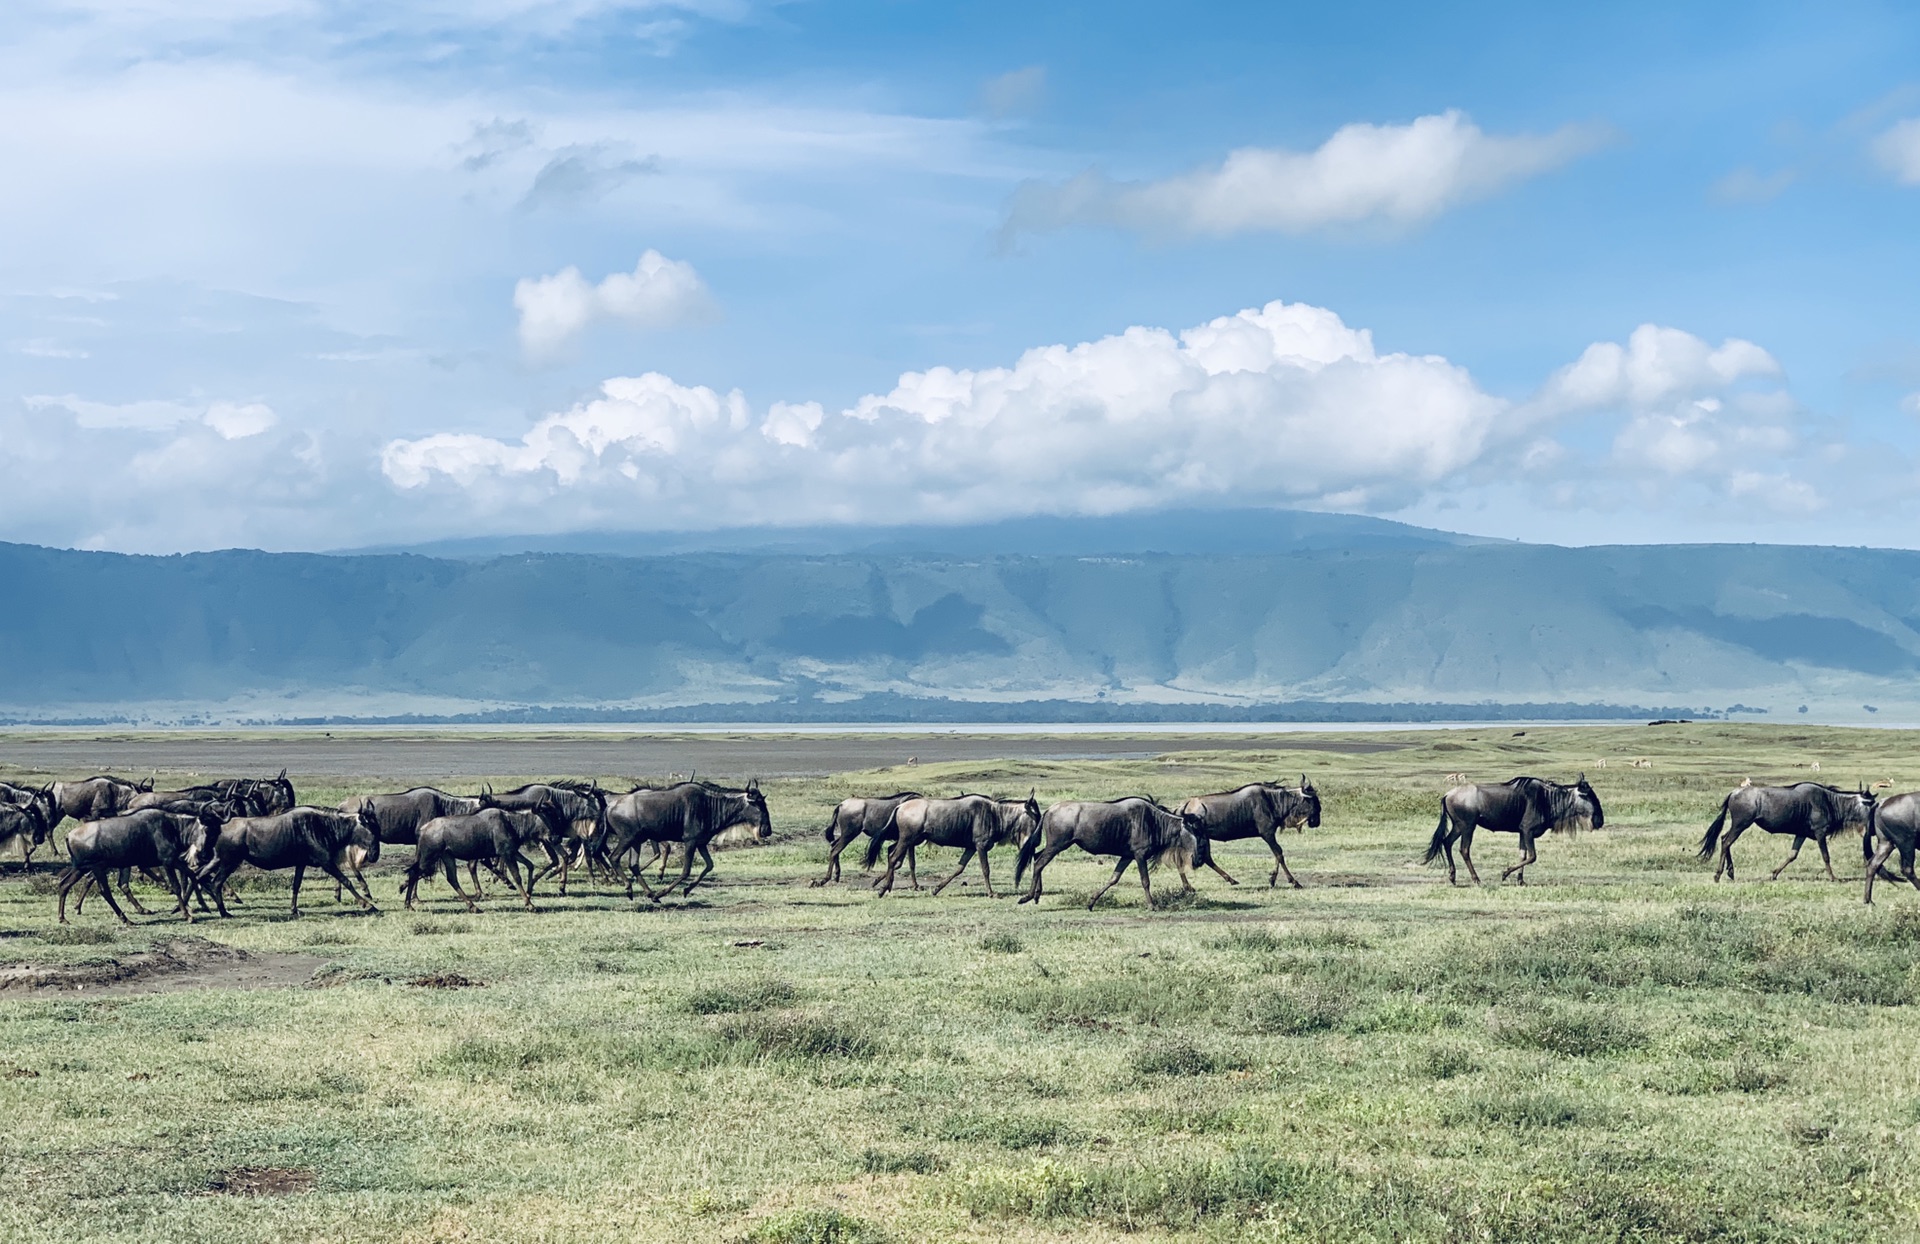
(1598, 819)
(757, 802)
(198, 841)
(366, 832)
(1311, 798)
(274, 795)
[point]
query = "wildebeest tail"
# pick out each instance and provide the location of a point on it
(1712, 840)
(1439, 842)
(876, 843)
(833, 826)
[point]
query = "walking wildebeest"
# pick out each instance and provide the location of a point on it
(1895, 822)
(974, 823)
(97, 798)
(1136, 829)
(493, 833)
(584, 807)
(1260, 809)
(1805, 810)
(690, 814)
(299, 839)
(399, 817)
(869, 816)
(1527, 806)
(27, 818)
(149, 840)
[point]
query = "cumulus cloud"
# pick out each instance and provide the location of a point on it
(1279, 403)
(1897, 150)
(658, 293)
(1396, 175)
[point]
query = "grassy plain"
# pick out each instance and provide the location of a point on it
(1619, 1050)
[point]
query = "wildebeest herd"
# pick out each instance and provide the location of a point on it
(191, 841)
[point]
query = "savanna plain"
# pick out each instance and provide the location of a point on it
(1619, 1050)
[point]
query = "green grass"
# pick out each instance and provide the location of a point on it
(1619, 1050)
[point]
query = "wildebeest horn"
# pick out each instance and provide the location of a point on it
(283, 775)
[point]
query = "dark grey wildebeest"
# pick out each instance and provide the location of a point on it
(1258, 810)
(495, 834)
(975, 824)
(689, 815)
(399, 817)
(27, 818)
(150, 839)
(299, 839)
(1893, 824)
(1527, 806)
(97, 798)
(1136, 829)
(1804, 810)
(869, 816)
(584, 807)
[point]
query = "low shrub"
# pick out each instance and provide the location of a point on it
(1292, 1009)
(813, 1226)
(792, 1034)
(1575, 1031)
(755, 995)
(1174, 1058)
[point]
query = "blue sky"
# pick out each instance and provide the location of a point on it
(323, 273)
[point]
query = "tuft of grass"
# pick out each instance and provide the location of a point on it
(1529, 1108)
(792, 1034)
(1293, 1009)
(1446, 1060)
(1002, 943)
(814, 1226)
(906, 1162)
(1575, 1031)
(76, 935)
(756, 995)
(1013, 1131)
(1175, 1057)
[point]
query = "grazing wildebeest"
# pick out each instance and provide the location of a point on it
(1260, 809)
(149, 840)
(1526, 806)
(690, 814)
(299, 839)
(97, 798)
(974, 823)
(1894, 823)
(493, 833)
(872, 817)
(1136, 829)
(1805, 810)
(27, 818)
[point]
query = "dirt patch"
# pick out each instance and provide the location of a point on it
(171, 966)
(446, 980)
(261, 1181)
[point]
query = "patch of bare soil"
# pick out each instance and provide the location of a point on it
(174, 965)
(261, 1181)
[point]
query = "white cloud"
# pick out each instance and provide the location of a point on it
(1393, 174)
(236, 420)
(232, 420)
(1656, 365)
(1011, 94)
(1897, 150)
(658, 293)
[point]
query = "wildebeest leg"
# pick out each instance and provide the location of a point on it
(1224, 874)
(637, 872)
(126, 888)
(1527, 856)
(1825, 858)
(1735, 828)
(839, 844)
(1466, 853)
(1146, 887)
(966, 858)
(1280, 864)
(299, 872)
(453, 879)
(1118, 873)
(106, 892)
(67, 881)
(986, 875)
(1798, 842)
(1040, 862)
(340, 879)
(1906, 867)
(913, 866)
(899, 851)
(515, 862)
(706, 865)
(1879, 861)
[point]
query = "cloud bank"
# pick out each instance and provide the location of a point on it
(1396, 175)
(1280, 404)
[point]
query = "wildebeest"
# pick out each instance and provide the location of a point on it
(1527, 806)
(27, 818)
(974, 823)
(494, 834)
(869, 816)
(1805, 810)
(1260, 809)
(1893, 824)
(97, 798)
(299, 839)
(583, 805)
(690, 814)
(149, 839)
(1136, 829)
